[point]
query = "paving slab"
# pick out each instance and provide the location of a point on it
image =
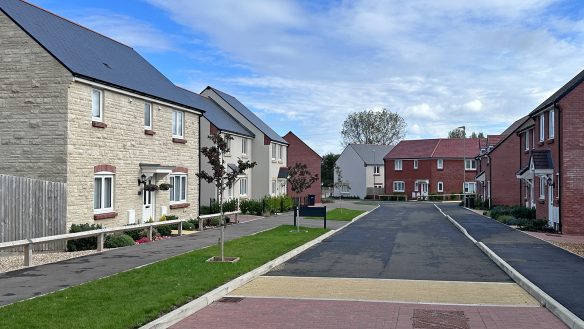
(554, 270)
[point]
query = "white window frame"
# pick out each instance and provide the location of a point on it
(542, 184)
(243, 186)
(244, 146)
(99, 117)
(178, 126)
(542, 127)
(399, 186)
(274, 187)
(467, 186)
(416, 164)
(527, 140)
(345, 189)
(397, 164)
(148, 115)
(274, 152)
(376, 170)
(378, 185)
(103, 176)
(228, 142)
(182, 186)
(473, 164)
(551, 125)
(280, 147)
(440, 187)
(440, 163)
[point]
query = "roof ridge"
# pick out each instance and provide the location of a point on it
(74, 23)
(435, 147)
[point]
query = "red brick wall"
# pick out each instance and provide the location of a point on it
(505, 187)
(571, 137)
(299, 152)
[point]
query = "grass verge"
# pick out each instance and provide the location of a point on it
(134, 298)
(343, 214)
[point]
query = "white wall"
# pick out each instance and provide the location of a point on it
(353, 171)
(370, 179)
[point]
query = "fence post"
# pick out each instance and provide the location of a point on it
(180, 228)
(236, 219)
(150, 229)
(201, 227)
(325, 217)
(28, 254)
(100, 239)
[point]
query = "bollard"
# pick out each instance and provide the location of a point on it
(201, 227)
(150, 231)
(325, 217)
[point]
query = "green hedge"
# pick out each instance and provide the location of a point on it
(118, 240)
(268, 204)
(84, 243)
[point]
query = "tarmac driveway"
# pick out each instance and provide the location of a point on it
(397, 241)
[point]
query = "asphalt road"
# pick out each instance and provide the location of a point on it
(397, 241)
(554, 270)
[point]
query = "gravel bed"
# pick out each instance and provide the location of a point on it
(11, 261)
(577, 248)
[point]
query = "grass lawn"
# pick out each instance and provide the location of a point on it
(341, 214)
(136, 297)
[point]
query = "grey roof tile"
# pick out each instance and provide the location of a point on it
(371, 154)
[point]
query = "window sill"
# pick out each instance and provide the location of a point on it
(105, 215)
(227, 154)
(274, 160)
(540, 143)
(179, 205)
(98, 124)
(149, 132)
(526, 151)
(397, 170)
(440, 169)
(542, 201)
(179, 140)
(376, 174)
(550, 141)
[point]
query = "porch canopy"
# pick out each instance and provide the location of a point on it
(149, 169)
(480, 177)
(540, 164)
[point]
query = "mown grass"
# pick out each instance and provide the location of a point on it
(136, 297)
(343, 214)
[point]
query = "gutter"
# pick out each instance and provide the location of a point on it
(557, 106)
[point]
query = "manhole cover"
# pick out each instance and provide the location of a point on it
(230, 300)
(437, 319)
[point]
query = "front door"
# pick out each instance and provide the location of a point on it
(424, 189)
(552, 211)
(147, 208)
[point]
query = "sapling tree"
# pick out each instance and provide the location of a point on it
(300, 178)
(340, 183)
(220, 176)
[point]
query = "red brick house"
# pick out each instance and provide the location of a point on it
(497, 165)
(421, 167)
(551, 169)
(299, 152)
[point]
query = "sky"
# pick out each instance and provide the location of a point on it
(303, 65)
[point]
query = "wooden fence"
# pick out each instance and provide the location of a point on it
(32, 208)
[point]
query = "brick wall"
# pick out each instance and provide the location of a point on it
(33, 107)
(299, 152)
(124, 145)
(505, 187)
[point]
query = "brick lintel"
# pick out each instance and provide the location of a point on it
(98, 124)
(179, 205)
(179, 140)
(105, 215)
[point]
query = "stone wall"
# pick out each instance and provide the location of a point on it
(33, 107)
(124, 144)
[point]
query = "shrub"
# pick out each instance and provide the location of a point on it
(188, 226)
(84, 243)
(137, 234)
(506, 219)
(165, 230)
(143, 240)
(251, 207)
(118, 240)
(539, 225)
(523, 212)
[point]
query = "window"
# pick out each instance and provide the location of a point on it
(469, 187)
(273, 152)
(440, 164)
(415, 164)
(228, 142)
(399, 186)
(345, 189)
(244, 146)
(273, 187)
(376, 170)
(378, 185)
(416, 188)
(178, 192)
(398, 165)
(440, 187)
(527, 140)
(470, 164)
(177, 124)
(103, 193)
(280, 147)
(541, 128)
(148, 116)
(96, 105)
(542, 183)
(243, 186)
(551, 125)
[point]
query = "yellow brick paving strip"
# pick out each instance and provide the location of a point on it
(389, 290)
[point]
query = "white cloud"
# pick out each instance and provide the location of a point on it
(440, 64)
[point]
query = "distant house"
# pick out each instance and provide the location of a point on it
(299, 152)
(83, 109)
(362, 167)
(267, 148)
(417, 168)
(497, 165)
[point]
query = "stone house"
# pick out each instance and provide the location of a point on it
(362, 168)
(300, 152)
(418, 168)
(266, 148)
(497, 164)
(80, 108)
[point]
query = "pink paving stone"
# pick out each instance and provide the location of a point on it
(567, 238)
(259, 313)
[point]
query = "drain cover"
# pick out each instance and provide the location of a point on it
(230, 300)
(438, 319)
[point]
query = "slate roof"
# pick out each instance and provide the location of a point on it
(542, 159)
(367, 154)
(515, 126)
(219, 117)
(88, 54)
(560, 93)
(250, 116)
(436, 148)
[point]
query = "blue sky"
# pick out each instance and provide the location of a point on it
(305, 65)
